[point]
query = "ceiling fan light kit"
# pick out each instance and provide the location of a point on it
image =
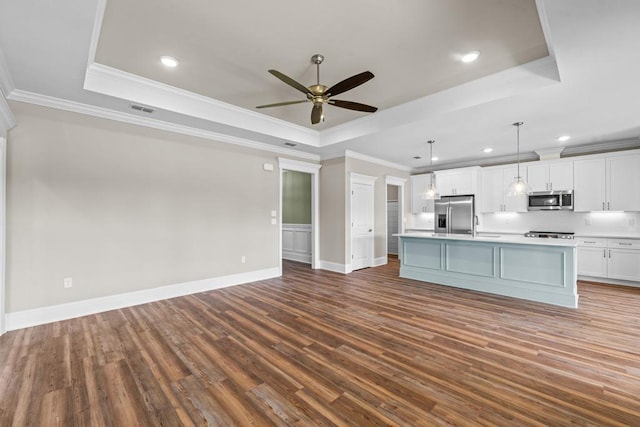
(319, 94)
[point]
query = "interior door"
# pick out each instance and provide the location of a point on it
(361, 225)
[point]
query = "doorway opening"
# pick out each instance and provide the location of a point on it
(296, 216)
(299, 243)
(395, 214)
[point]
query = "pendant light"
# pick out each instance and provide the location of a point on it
(518, 186)
(430, 193)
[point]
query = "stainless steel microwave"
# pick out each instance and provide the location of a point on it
(550, 201)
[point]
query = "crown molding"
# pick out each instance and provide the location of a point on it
(7, 121)
(95, 33)
(120, 84)
(602, 147)
(354, 155)
(76, 107)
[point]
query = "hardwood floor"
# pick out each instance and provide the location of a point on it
(318, 348)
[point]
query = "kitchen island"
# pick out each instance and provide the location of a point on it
(543, 270)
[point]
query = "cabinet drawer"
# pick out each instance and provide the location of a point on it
(593, 242)
(623, 243)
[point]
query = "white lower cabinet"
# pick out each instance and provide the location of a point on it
(609, 258)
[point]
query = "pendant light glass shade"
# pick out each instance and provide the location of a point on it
(518, 187)
(430, 193)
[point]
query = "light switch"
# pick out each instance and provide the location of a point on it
(273, 221)
(274, 213)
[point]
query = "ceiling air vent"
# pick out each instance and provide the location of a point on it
(142, 108)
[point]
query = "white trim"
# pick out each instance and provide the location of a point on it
(335, 267)
(399, 182)
(55, 313)
(95, 34)
(7, 120)
(377, 262)
(296, 254)
(6, 82)
(3, 228)
(76, 107)
(120, 84)
(362, 179)
(546, 30)
(364, 157)
(394, 180)
(314, 170)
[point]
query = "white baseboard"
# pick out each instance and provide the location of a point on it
(380, 261)
(297, 256)
(335, 267)
(55, 313)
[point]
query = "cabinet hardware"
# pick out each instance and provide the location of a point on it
(608, 206)
(603, 206)
(604, 253)
(589, 241)
(609, 253)
(624, 244)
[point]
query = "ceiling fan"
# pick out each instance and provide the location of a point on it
(320, 94)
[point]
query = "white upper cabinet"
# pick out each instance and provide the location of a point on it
(548, 176)
(495, 181)
(462, 181)
(623, 183)
(607, 184)
(419, 184)
(589, 191)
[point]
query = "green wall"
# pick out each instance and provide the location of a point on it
(296, 198)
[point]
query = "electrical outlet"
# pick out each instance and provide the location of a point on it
(243, 259)
(67, 282)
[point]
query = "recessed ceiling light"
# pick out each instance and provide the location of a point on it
(434, 159)
(169, 61)
(470, 56)
(564, 138)
(487, 150)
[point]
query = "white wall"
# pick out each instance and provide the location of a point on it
(583, 223)
(123, 208)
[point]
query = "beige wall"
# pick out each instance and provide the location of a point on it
(332, 211)
(380, 202)
(122, 208)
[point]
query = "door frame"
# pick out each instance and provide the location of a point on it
(357, 178)
(398, 182)
(3, 227)
(314, 170)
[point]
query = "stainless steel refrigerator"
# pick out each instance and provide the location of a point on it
(455, 214)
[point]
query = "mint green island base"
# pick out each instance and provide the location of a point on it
(534, 269)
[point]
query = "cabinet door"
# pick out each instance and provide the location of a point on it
(537, 177)
(419, 184)
(445, 184)
(463, 183)
(561, 176)
(624, 183)
(589, 189)
(592, 262)
(492, 190)
(514, 203)
(624, 264)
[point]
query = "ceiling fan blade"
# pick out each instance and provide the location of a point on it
(350, 83)
(316, 114)
(280, 104)
(288, 80)
(353, 106)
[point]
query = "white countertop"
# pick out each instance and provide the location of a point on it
(521, 240)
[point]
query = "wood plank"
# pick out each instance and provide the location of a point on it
(320, 348)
